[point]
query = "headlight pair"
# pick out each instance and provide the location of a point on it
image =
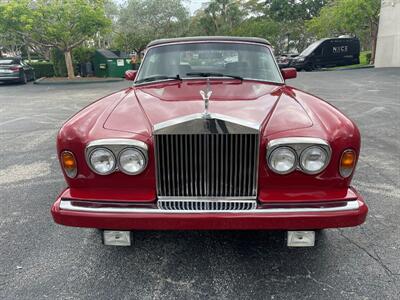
(300, 154)
(129, 157)
(130, 161)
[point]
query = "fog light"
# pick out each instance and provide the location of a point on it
(301, 238)
(116, 238)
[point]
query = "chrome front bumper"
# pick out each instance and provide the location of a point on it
(250, 208)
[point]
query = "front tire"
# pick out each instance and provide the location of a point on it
(309, 67)
(24, 79)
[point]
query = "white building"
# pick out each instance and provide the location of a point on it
(388, 44)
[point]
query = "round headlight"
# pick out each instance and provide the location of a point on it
(282, 160)
(313, 159)
(132, 161)
(102, 161)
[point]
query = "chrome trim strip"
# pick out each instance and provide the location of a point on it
(199, 116)
(67, 205)
(121, 142)
(216, 199)
(297, 140)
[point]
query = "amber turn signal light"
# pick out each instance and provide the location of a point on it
(347, 162)
(68, 162)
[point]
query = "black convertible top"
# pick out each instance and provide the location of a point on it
(209, 38)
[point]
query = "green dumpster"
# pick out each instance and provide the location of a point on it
(108, 64)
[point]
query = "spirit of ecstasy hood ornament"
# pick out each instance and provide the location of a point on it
(206, 94)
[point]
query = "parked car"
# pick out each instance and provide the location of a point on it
(13, 69)
(209, 145)
(328, 53)
(284, 60)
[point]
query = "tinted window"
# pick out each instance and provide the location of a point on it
(310, 48)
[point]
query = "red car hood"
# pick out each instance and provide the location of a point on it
(251, 101)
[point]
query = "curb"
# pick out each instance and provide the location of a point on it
(63, 82)
(37, 81)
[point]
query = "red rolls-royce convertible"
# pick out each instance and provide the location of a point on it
(209, 136)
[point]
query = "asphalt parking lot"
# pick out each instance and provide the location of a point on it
(42, 260)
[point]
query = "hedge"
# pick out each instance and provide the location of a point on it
(43, 69)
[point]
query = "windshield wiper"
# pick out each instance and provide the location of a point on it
(212, 74)
(159, 77)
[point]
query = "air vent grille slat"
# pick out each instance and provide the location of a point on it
(207, 206)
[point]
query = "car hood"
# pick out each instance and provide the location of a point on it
(250, 101)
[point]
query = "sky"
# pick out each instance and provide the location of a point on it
(193, 5)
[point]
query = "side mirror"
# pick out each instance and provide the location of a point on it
(289, 73)
(130, 75)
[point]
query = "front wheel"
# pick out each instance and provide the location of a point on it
(24, 79)
(309, 67)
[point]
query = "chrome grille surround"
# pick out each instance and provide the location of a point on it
(207, 205)
(203, 158)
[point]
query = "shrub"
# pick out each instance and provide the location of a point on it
(368, 57)
(83, 54)
(365, 57)
(43, 69)
(58, 60)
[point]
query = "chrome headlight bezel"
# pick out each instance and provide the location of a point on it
(112, 155)
(303, 153)
(140, 152)
(299, 144)
(295, 161)
(116, 146)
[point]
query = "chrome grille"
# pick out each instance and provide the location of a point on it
(207, 165)
(206, 205)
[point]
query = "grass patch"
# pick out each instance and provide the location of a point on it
(365, 57)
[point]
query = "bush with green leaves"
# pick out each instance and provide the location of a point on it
(43, 69)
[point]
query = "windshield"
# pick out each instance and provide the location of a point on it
(310, 48)
(247, 61)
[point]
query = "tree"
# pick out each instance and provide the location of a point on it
(55, 23)
(10, 43)
(260, 27)
(356, 17)
(105, 39)
(292, 14)
(141, 21)
(293, 10)
(221, 17)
